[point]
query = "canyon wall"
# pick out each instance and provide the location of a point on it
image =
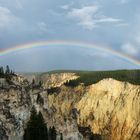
(109, 109)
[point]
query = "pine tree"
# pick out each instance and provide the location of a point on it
(52, 133)
(1, 70)
(33, 82)
(61, 136)
(7, 71)
(43, 131)
(40, 83)
(12, 72)
(36, 127)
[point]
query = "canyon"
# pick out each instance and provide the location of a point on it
(108, 109)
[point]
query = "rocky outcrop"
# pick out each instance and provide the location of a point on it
(14, 111)
(112, 109)
(108, 110)
(57, 79)
(52, 80)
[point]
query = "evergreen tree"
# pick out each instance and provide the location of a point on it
(11, 72)
(1, 70)
(7, 71)
(43, 131)
(39, 99)
(40, 84)
(36, 127)
(33, 82)
(52, 133)
(61, 136)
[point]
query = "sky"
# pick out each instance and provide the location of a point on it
(109, 23)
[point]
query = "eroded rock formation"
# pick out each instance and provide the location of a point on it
(109, 109)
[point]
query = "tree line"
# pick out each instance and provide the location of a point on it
(6, 71)
(92, 77)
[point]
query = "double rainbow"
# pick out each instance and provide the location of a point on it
(70, 43)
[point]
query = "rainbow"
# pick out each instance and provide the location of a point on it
(70, 43)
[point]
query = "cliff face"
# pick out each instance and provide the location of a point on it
(57, 79)
(109, 109)
(14, 108)
(51, 80)
(112, 109)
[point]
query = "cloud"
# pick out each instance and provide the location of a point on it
(65, 7)
(89, 17)
(6, 17)
(108, 19)
(42, 26)
(130, 49)
(84, 16)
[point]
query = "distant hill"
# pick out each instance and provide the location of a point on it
(91, 77)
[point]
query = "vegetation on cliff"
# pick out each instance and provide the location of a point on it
(37, 129)
(6, 72)
(91, 77)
